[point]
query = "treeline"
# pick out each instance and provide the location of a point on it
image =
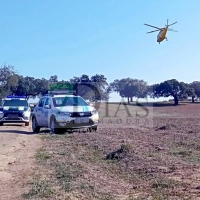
(96, 87)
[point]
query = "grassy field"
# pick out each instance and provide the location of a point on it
(154, 153)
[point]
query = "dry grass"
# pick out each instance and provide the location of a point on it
(157, 160)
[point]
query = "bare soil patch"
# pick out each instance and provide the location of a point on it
(159, 160)
(156, 160)
(17, 159)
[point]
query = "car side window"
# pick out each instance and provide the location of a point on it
(48, 102)
(41, 103)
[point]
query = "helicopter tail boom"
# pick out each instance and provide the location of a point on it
(169, 29)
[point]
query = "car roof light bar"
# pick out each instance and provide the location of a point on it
(16, 97)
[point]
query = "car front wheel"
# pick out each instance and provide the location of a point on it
(35, 126)
(93, 129)
(53, 126)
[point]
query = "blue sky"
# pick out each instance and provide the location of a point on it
(70, 38)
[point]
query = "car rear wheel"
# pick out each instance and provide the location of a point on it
(1, 123)
(35, 126)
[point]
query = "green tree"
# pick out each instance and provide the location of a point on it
(41, 87)
(101, 88)
(8, 80)
(129, 88)
(196, 87)
(178, 90)
(31, 87)
(26, 86)
(53, 79)
(93, 89)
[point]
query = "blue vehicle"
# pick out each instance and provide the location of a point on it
(15, 109)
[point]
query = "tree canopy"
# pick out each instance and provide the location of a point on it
(8, 80)
(129, 88)
(196, 87)
(178, 90)
(94, 88)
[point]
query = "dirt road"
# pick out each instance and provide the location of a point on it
(17, 150)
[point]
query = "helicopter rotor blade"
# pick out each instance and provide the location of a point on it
(172, 23)
(153, 26)
(152, 31)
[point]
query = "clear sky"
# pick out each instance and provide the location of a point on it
(70, 38)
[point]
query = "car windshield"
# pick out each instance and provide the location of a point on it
(68, 101)
(15, 102)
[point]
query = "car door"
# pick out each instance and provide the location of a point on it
(47, 111)
(39, 112)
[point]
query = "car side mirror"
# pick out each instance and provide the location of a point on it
(47, 106)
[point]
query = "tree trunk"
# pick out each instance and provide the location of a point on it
(193, 99)
(131, 99)
(128, 100)
(175, 100)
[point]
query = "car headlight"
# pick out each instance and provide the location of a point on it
(94, 112)
(64, 114)
(1, 114)
(20, 108)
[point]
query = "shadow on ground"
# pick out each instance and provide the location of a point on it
(15, 129)
(28, 132)
(145, 104)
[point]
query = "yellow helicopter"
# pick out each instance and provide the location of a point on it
(163, 31)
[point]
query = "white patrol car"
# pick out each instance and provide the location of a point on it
(15, 109)
(62, 112)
